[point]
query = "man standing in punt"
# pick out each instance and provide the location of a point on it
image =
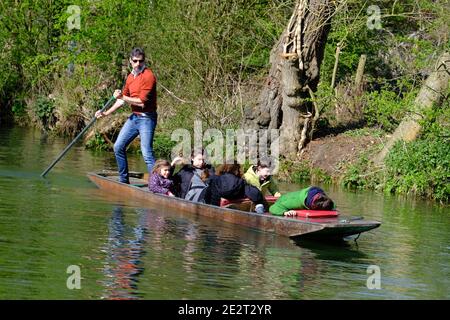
(140, 93)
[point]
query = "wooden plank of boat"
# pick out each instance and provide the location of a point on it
(293, 227)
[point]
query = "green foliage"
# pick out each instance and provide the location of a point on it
(320, 176)
(202, 51)
(436, 121)
(43, 109)
(163, 145)
(299, 172)
(19, 107)
(373, 132)
(361, 175)
(97, 142)
(294, 172)
(411, 36)
(421, 167)
(386, 109)
(324, 97)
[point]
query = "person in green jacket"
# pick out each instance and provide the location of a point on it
(312, 198)
(259, 176)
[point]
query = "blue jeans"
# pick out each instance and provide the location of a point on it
(144, 126)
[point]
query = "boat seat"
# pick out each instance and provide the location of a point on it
(225, 202)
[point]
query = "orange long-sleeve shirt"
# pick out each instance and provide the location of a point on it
(143, 87)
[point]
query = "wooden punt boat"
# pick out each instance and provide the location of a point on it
(337, 228)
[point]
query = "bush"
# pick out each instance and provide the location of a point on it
(97, 142)
(162, 146)
(362, 175)
(386, 109)
(420, 167)
(294, 172)
(19, 108)
(43, 109)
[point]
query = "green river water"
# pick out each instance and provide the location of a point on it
(126, 251)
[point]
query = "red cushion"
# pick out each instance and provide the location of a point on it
(316, 213)
(271, 198)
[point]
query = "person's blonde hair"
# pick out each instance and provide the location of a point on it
(159, 164)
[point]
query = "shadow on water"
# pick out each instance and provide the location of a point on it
(343, 251)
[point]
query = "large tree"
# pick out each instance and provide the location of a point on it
(285, 102)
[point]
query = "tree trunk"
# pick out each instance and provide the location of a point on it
(295, 62)
(432, 92)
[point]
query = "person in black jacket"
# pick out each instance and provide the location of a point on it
(193, 177)
(228, 184)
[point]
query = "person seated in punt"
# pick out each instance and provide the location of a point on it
(311, 198)
(228, 184)
(259, 175)
(159, 180)
(192, 179)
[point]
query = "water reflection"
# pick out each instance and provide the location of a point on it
(124, 250)
(190, 249)
(156, 254)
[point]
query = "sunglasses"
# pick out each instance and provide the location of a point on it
(137, 60)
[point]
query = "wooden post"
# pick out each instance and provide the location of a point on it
(336, 62)
(360, 71)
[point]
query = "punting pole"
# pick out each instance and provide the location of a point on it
(75, 140)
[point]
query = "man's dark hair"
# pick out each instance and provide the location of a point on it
(137, 52)
(264, 163)
(322, 203)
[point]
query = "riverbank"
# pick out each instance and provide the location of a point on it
(419, 168)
